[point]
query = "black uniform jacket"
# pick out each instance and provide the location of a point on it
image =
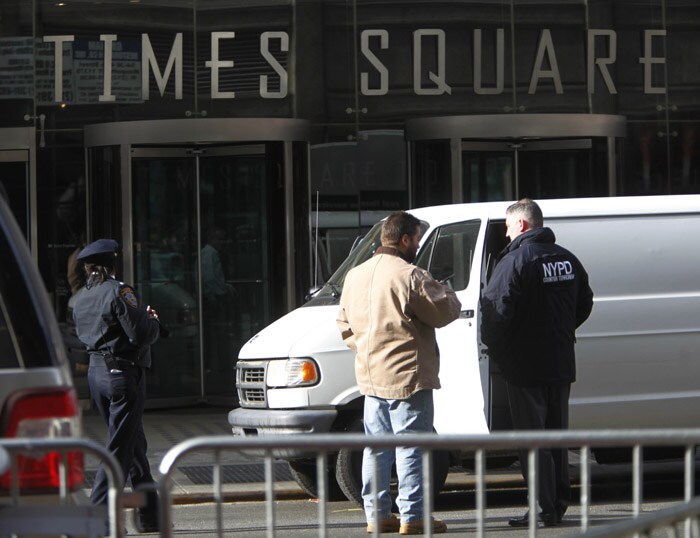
(110, 317)
(537, 296)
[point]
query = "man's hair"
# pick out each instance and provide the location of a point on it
(396, 225)
(528, 210)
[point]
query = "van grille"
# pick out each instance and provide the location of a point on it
(253, 375)
(250, 383)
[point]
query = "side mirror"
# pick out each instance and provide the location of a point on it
(312, 291)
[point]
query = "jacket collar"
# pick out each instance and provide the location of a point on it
(391, 251)
(535, 235)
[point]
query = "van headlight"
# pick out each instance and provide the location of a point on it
(292, 373)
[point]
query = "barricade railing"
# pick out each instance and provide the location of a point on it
(324, 444)
(18, 518)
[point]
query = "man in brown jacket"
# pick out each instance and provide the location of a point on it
(389, 311)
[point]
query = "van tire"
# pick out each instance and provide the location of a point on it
(305, 475)
(348, 468)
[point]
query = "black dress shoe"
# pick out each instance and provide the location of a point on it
(547, 519)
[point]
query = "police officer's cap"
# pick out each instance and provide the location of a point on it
(99, 249)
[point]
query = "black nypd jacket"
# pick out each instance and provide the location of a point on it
(110, 317)
(537, 296)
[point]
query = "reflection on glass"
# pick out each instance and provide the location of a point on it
(233, 261)
(14, 183)
(165, 256)
(452, 255)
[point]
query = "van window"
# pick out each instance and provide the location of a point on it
(361, 253)
(448, 254)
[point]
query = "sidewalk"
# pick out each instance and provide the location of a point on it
(243, 478)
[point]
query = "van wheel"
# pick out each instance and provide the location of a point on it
(348, 469)
(305, 475)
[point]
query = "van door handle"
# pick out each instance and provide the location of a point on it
(466, 314)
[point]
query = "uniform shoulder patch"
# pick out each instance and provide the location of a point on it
(128, 294)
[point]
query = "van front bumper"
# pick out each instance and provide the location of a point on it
(280, 422)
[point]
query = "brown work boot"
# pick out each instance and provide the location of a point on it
(416, 527)
(390, 524)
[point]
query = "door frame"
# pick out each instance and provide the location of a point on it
(197, 152)
(513, 128)
(199, 131)
(24, 139)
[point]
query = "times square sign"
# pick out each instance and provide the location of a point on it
(110, 70)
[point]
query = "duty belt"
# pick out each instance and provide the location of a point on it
(112, 362)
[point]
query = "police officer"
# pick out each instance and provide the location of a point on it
(118, 330)
(537, 297)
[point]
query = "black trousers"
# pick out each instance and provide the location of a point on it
(119, 398)
(544, 407)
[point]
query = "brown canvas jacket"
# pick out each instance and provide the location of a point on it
(389, 310)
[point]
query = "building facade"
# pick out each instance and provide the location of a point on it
(237, 148)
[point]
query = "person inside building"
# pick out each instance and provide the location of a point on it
(118, 331)
(536, 298)
(219, 308)
(389, 310)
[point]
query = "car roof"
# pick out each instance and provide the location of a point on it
(566, 207)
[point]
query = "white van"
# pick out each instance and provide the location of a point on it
(637, 355)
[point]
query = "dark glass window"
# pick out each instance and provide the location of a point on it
(23, 341)
(451, 252)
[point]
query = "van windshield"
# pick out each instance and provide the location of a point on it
(364, 250)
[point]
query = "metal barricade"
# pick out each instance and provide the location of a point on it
(62, 517)
(479, 445)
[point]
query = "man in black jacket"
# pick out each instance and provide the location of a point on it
(537, 296)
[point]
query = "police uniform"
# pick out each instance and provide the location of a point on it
(117, 332)
(537, 296)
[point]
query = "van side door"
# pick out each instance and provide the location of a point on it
(452, 255)
(495, 393)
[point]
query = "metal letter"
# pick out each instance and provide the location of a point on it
(107, 96)
(602, 63)
(545, 46)
(281, 72)
(378, 65)
(148, 58)
(439, 79)
(215, 64)
(59, 40)
(648, 60)
(500, 48)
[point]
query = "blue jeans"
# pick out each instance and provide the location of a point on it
(413, 415)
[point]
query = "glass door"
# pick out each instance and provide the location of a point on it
(234, 258)
(14, 186)
(507, 170)
(200, 259)
(165, 236)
